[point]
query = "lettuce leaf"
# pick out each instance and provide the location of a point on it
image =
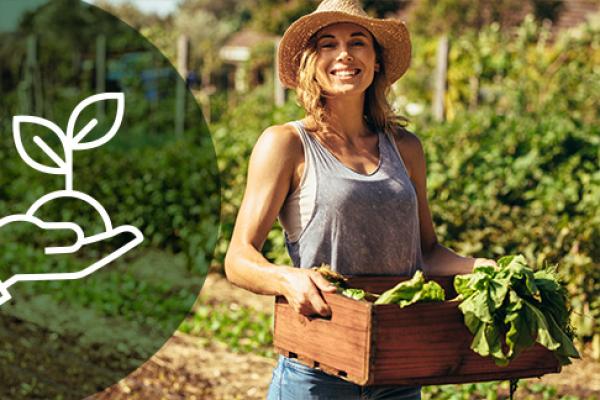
(513, 303)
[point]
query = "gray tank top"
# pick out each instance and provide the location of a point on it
(360, 224)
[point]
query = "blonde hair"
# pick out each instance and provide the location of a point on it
(377, 112)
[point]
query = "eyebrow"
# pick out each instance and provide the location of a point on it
(330, 36)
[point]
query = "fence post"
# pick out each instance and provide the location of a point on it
(100, 75)
(279, 89)
(32, 97)
(441, 73)
(183, 45)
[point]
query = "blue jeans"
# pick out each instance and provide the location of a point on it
(295, 381)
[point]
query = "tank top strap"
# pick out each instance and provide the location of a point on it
(315, 154)
(394, 152)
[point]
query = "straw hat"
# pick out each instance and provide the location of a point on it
(391, 34)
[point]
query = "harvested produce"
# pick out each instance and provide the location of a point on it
(412, 291)
(514, 303)
(339, 280)
(403, 294)
(356, 294)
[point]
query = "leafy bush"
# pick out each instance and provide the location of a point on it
(171, 193)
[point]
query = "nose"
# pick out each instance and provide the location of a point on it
(344, 55)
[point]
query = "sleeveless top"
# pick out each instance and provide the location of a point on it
(360, 224)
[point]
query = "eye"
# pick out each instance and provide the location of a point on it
(358, 43)
(327, 45)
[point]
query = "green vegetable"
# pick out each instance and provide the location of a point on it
(356, 294)
(514, 302)
(412, 291)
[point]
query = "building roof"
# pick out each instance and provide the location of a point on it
(249, 38)
(238, 47)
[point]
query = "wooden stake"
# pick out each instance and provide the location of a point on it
(100, 75)
(441, 73)
(183, 45)
(279, 89)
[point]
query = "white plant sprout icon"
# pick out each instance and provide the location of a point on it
(71, 142)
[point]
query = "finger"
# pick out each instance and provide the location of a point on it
(322, 283)
(319, 305)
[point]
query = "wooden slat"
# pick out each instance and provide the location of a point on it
(340, 345)
(428, 343)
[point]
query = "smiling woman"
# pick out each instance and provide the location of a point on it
(347, 182)
(345, 59)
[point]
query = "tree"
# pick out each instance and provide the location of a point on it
(274, 16)
(382, 9)
(207, 34)
(130, 14)
(433, 17)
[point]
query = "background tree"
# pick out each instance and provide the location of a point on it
(207, 34)
(433, 17)
(130, 14)
(383, 9)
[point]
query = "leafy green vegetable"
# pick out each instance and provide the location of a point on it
(356, 294)
(514, 302)
(412, 291)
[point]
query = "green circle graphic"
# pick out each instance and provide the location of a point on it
(127, 267)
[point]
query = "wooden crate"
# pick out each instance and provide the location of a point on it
(424, 343)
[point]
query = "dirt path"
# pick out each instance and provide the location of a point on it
(187, 369)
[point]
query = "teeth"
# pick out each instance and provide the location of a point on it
(346, 73)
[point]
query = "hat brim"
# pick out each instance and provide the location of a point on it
(391, 35)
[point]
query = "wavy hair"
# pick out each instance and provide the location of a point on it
(377, 110)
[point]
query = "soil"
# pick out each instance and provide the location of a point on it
(189, 368)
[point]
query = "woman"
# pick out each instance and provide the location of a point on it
(347, 182)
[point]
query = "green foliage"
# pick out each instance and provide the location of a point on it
(412, 291)
(155, 189)
(275, 16)
(356, 294)
(455, 17)
(122, 292)
(383, 9)
(241, 328)
(495, 391)
(513, 302)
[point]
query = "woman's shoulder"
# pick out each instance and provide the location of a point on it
(406, 138)
(281, 136)
(410, 148)
(280, 142)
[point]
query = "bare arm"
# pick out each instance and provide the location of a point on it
(270, 174)
(438, 260)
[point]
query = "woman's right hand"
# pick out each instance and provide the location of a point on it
(302, 288)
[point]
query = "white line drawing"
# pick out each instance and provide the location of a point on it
(71, 142)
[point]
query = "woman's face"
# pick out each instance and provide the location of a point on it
(346, 59)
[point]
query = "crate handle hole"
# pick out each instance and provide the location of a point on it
(292, 355)
(316, 364)
(343, 374)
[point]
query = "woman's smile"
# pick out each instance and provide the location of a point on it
(345, 73)
(345, 59)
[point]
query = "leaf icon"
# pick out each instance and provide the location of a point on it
(61, 164)
(78, 137)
